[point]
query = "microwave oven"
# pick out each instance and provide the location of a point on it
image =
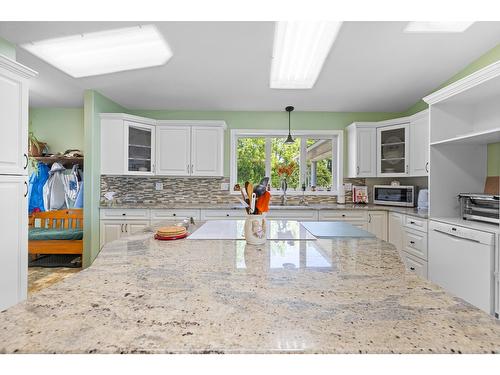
(394, 195)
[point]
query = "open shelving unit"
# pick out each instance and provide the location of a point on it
(64, 160)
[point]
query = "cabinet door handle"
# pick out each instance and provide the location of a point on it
(26, 184)
(427, 167)
(406, 169)
(188, 170)
(126, 228)
(121, 228)
(357, 169)
(369, 218)
(412, 242)
(26, 158)
(192, 168)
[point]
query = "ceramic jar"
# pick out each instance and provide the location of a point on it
(255, 229)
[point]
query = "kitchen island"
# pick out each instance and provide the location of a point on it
(223, 296)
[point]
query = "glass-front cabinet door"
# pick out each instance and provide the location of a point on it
(393, 142)
(140, 148)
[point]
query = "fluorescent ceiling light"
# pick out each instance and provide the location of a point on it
(104, 52)
(437, 27)
(299, 51)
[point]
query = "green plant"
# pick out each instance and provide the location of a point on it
(35, 143)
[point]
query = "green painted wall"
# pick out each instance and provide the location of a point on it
(494, 159)
(94, 103)
(488, 58)
(60, 128)
(7, 49)
(269, 120)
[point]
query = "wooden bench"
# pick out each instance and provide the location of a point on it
(60, 219)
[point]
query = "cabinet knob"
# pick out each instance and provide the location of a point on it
(412, 242)
(124, 214)
(227, 214)
(174, 214)
(343, 215)
(412, 268)
(412, 222)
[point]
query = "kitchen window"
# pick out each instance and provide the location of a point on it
(314, 159)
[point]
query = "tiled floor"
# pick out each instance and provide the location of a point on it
(40, 277)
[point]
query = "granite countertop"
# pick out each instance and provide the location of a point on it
(349, 206)
(214, 296)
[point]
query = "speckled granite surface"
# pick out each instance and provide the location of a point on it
(325, 296)
(424, 214)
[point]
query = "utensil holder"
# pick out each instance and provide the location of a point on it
(255, 229)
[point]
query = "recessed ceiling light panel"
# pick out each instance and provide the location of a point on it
(437, 27)
(299, 52)
(104, 52)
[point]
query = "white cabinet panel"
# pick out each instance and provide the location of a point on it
(139, 148)
(392, 150)
(305, 215)
(14, 124)
(395, 231)
(14, 234)
(207, 151)
(132, 227)
(173, 151)
(222, 214)
(362, 151)
(415, 243)
(343, 215)
(124, 213)
(415, 265)
(419, 145)
(415, 223)
(377, 224)
(110, 231)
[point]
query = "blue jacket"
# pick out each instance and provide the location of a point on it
(35, 189)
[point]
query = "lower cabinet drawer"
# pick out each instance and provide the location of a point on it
(126, 213)
(164, 214)
(304, 215)
(415, 223)
(343, 215)
(415, 243)
(414, 264)
(222, 214)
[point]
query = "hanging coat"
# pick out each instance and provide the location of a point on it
(35, 190)
(54, 191)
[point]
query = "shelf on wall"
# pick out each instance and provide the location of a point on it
(59, 159)
(479, 138)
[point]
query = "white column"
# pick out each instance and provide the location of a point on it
(313, 173)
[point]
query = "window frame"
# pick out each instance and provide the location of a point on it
(337, 137)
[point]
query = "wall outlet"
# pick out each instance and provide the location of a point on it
(159, 186)
(224, 186)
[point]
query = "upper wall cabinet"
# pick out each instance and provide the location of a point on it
(14, 117)
(419, 144)
(190, 148)
(132, 145)
(362, 143)
(127, 145)
(392, 150)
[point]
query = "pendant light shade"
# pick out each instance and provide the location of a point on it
(289, 139)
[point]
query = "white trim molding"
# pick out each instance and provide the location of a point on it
(209, 123)
(482, 75)
(127, 117)
(337, 170)
(17, 68)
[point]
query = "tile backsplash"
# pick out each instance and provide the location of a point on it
(189, 190)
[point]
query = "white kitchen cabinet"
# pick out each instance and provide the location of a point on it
(343, 215)
(415, 265)
(139, 148)
(111, 230)
(419, 144)
(14, 234)
(377, 224)
(392, 150)
(173, 151)
(14, 117)
(159, 215)
(415, 243)
(127, 145)
(299, 215)
(395, 230)
(207, 151)
(362, 143)
(190, 148)
(207, 214)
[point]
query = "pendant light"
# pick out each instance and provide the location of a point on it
(289, 139)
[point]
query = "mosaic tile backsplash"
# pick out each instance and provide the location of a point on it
(187, 190)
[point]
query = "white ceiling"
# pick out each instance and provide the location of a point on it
(373, 66)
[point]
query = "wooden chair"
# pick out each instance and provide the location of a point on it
(61, 219)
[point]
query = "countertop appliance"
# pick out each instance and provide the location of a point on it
(461, 260)
(394, 195)
(423, 199)
(480, 207)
